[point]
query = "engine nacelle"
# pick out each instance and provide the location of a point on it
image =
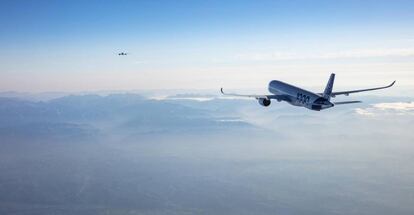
(264, 102)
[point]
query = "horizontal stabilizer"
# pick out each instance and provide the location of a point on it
(346, 102)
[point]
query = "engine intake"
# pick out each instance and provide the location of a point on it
(264, 102)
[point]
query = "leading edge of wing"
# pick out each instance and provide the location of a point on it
(361, 90)
(277, 97)
(243, 95)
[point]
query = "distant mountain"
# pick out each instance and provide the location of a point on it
(91, 114)
(33, 96)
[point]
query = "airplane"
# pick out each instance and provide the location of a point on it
(122, 53)
(296, 96)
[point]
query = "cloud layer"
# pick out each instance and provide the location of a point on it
(392, 108)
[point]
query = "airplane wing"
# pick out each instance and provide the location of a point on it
(333, 94)
(278, 97)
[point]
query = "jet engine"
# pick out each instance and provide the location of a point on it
(264, 102)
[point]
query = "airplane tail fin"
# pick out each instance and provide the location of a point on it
(328, 89)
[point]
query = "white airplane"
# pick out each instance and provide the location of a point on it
(123, 54)
(299, 97)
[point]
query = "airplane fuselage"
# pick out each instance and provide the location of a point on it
(299, 97)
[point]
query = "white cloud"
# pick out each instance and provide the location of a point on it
(364, 111)
(398, 106)
(393, 108)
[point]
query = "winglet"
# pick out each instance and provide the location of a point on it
(391, 84)
(221, 90)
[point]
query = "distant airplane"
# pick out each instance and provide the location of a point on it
(299, 97)
(122, 53)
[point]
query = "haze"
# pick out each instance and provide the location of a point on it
(86, 131)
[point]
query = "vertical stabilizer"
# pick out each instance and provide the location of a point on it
(328, 89)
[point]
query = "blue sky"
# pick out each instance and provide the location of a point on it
(72, 45)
